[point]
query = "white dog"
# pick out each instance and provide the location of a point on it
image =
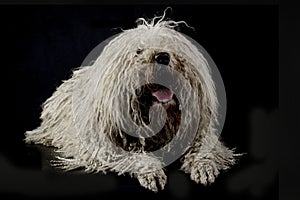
(147, 80)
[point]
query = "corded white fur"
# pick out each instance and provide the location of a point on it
(79, 127)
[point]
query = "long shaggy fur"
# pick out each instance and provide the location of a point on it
(81, 118)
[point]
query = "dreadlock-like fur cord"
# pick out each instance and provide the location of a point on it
(81, 117)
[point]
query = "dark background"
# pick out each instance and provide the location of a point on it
(45, 43)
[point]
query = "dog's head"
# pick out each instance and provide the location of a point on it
(148, 85)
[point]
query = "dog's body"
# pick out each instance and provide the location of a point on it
(83, 118)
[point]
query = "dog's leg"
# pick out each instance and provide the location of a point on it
(206, 158)
(146, 168)
(150, 180)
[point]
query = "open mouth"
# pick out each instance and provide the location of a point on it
(151, 94)
(163, 94)
(155, 93)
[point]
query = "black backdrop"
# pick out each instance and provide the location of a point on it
(46, 42)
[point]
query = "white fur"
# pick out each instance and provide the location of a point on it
(79, 126)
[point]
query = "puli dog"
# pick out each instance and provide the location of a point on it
(146, 100)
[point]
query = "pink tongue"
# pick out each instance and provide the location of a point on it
(163, 95)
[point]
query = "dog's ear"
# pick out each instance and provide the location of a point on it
(208, 116)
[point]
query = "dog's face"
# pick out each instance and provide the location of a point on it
(144, 74)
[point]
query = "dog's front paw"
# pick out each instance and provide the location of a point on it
(152, 179)
(201, 171)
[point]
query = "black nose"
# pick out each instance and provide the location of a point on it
(162, 58)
